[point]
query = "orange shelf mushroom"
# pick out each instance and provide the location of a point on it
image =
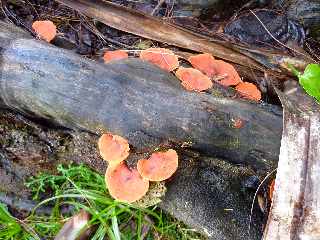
(193, 80)
(162, 57)
(249, 91)
(124, 184)
(113, 148)
(160, 166)
(114, 55)
(45, 30)
(231, 76)
(204, 63)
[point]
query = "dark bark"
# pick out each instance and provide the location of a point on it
(133, 99)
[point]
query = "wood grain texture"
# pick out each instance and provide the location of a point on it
(294, 213)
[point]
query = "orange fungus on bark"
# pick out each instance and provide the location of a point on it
(193, 80)
(228, 72)
(204, 62)
(45, 30)
(160, 166)
(124, 184)
(113, 148)
(162, 57)
(249, 91)
(114, 55)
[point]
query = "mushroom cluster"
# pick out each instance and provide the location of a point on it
(130, 185)
(205, 69)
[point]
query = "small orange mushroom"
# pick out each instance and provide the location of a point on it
(271, 189)
(162, 57)
(249, 91)
(203, 62)
(114, 55)
(124, 184)
(45, 30)
(160, 166)
(113, 148)
(193, 80)
(231, 76)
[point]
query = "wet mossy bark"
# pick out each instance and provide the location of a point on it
(69, 100)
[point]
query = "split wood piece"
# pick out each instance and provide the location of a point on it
(146, 26)
(295, 213)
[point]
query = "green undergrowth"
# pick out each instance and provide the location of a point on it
(78, 187)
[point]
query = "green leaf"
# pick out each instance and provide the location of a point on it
(310, 80)
(5, 216)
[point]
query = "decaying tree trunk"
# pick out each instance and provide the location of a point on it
(133, 99)
(147, 106)
(295, 210)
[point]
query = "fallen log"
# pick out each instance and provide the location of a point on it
(144, 104)
(133, 99)
(294, 212)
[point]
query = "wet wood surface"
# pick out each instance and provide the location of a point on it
(295, 207)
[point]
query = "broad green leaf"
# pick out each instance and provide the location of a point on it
(310, 80)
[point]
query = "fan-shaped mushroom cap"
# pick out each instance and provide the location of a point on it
(113, 148)
(114, 55)
(203, 62)
(160, 166)
(249, 91)
(193, 80)
(162, 57)
(124, 184)
(46, 30)
(223, 68)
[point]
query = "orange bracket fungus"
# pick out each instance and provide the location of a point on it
(114, 55)
(160, 166)
(193, 80)
(113, 148)
(203, 62)
(223, 68)
(249, 91)
(45, 30)
(124, 184)
(162, 57)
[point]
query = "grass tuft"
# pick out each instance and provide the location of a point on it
(78, 187)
